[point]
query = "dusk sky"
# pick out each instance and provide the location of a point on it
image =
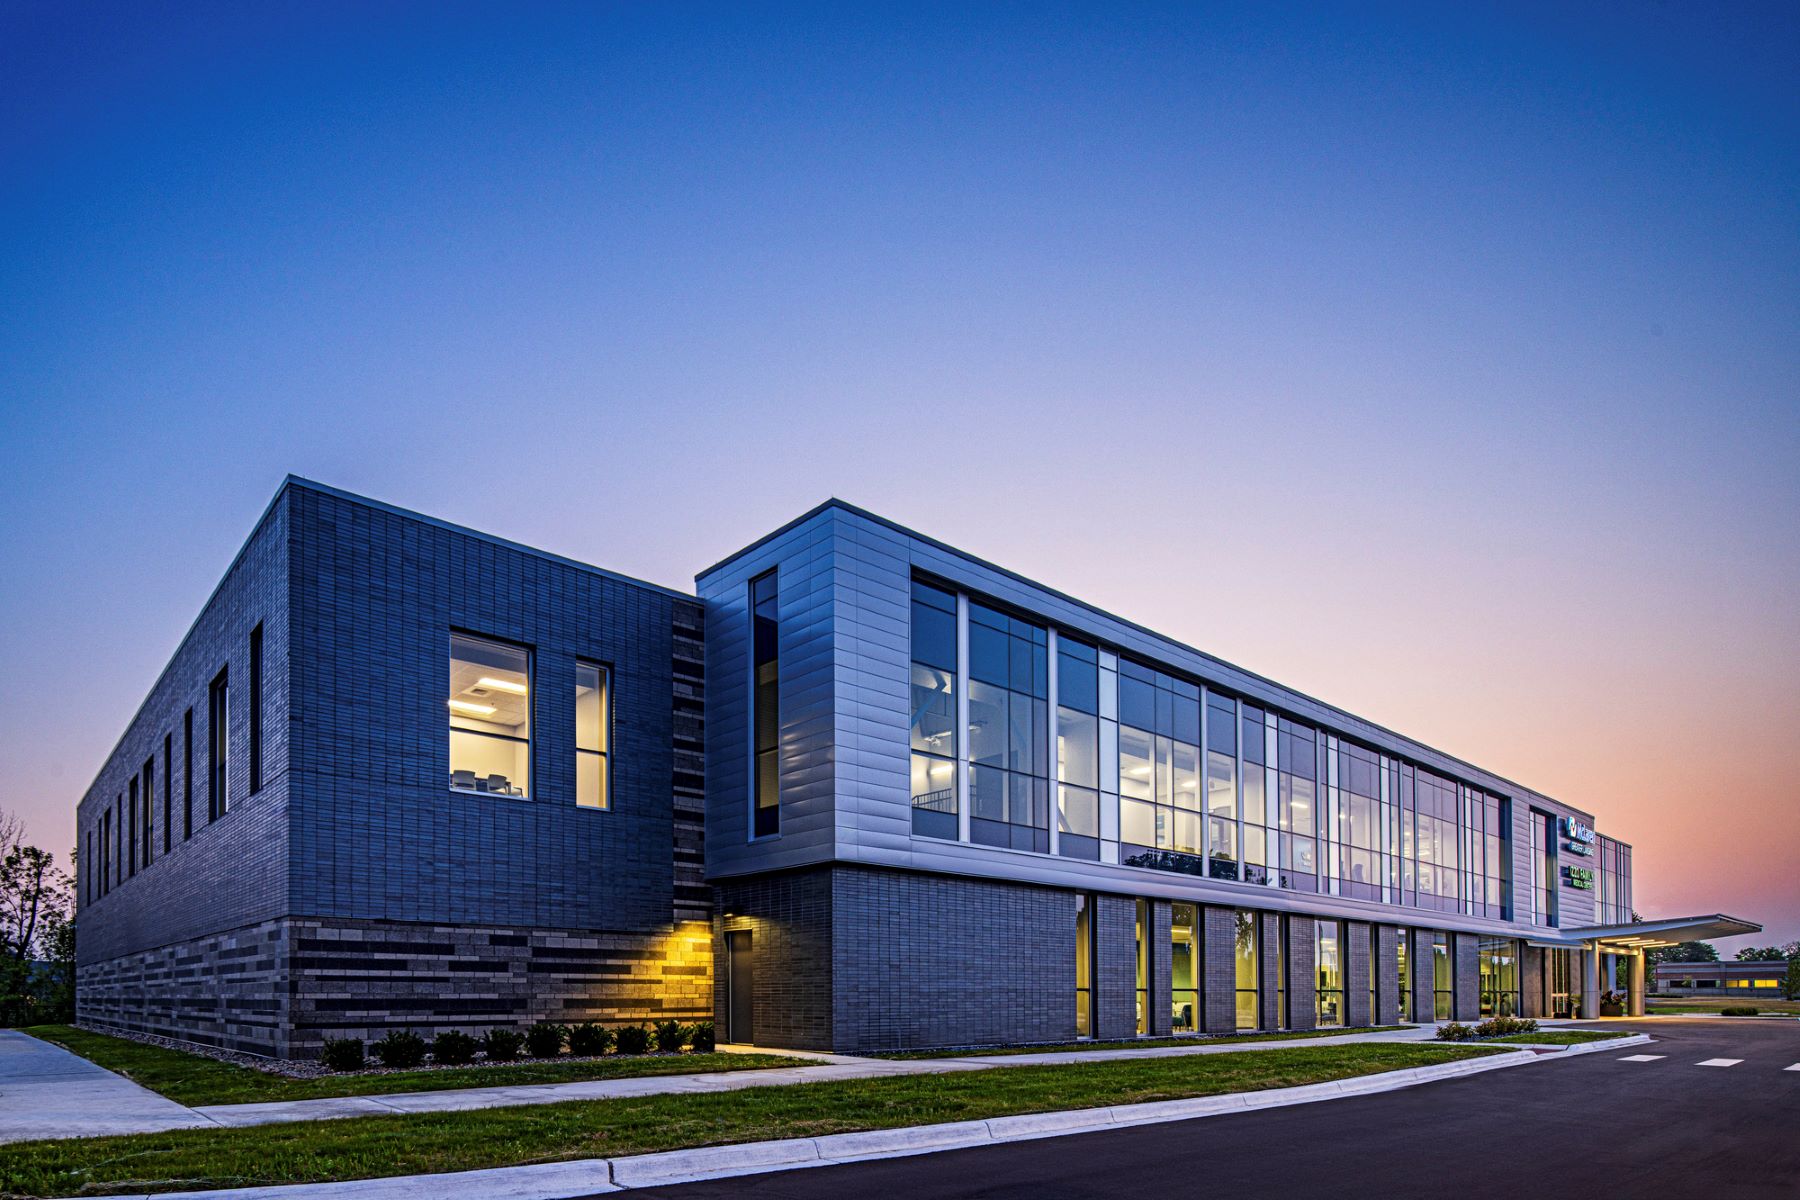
(1440, 361)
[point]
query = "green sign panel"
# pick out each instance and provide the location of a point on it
(1578, 877)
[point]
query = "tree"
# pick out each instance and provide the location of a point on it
(1761, 954)
(1682, 952)
(37, 939)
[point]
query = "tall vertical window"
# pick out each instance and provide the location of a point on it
(218, 736)
(1084, 965)
(1615, 881)
(1297, 802)
(765, 641)
(1435, 802)
(489, 707)
(1142, 929)
(1221, 787)
(593, 741)
(1328, 950)
(1247, 968)
(1184, 967)
(106, 852)
(256, 705)
(1077, 749)
(1260, 817)
(168, 821)
(131, 828)
(1499, 967)
(1405, 975)
(1009, 731)
(187, 775)
(1543, 867)
(933, 702)
(1443, 977)
(1159, 770)
(1364, 823)
(149, 810)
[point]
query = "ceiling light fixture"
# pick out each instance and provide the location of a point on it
(501, 685)
(469, 706)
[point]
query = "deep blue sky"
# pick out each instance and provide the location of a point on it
(1441, 360)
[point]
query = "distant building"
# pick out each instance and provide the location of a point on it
(862, 791)
(1725, 979)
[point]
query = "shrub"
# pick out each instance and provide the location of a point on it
(545, 1039)
(701, 1038)
(453, 1048)
(670, 1036)
(400, 1049)
(1738, 1010)
(633, 1039)
(588, 1039)
(1505, 1027)
(502, 1045)
(1454, 1031)
(342, 1054)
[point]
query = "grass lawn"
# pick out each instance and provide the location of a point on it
(1136, 1043)
(1687, 1004)
(197, 1079)
(367, 1147)
(1562, 1037)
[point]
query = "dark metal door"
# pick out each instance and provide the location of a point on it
(740, 987)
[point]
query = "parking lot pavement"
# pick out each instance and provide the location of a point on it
(1650, 1120)
(45, 1091)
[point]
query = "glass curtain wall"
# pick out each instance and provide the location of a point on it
(1296, 781)
(1615, 882)
(1435, 840)
(1260, 818)
(1221, 787)
(1159, 770)
(1442, 978)
(1499, 977)
(1328, 947)
(1184, 967)
(1077, 749)
(1009, 731)
(1247, 968)
(1365, 823)
(933, 705)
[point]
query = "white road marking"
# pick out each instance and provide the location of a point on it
(1795, 1067)
(1642, 1057)
(1719, 1062)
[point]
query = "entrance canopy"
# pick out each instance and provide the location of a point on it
(1643, 935)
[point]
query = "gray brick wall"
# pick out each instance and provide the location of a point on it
(1420, 964)
(1465, 949)
(1358, 1009)
(227, 989)
(1162, 1013)
(1386, 966)
(1303, 986)
(1116, 976)
(1218, 946)
(789, 918)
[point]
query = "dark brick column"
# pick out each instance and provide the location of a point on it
(1386, 940)
(1115, 975)
(1466, 977)
(1302, 975)
(1356, 974)
(1162, 1014)
(1218, 956)
(1531, 982)
(1268, 963)
(1420, 966)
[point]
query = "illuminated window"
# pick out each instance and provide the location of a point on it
(1184, 967)
(933, 701)
(593, 741)
(490, 717)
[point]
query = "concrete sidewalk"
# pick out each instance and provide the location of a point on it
(47, 1092)
(160, 1113)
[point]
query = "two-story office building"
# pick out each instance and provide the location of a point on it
(404, 775)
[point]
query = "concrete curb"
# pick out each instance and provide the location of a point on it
(554, 1181)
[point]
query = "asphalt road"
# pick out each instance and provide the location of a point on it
(1588, 1126)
